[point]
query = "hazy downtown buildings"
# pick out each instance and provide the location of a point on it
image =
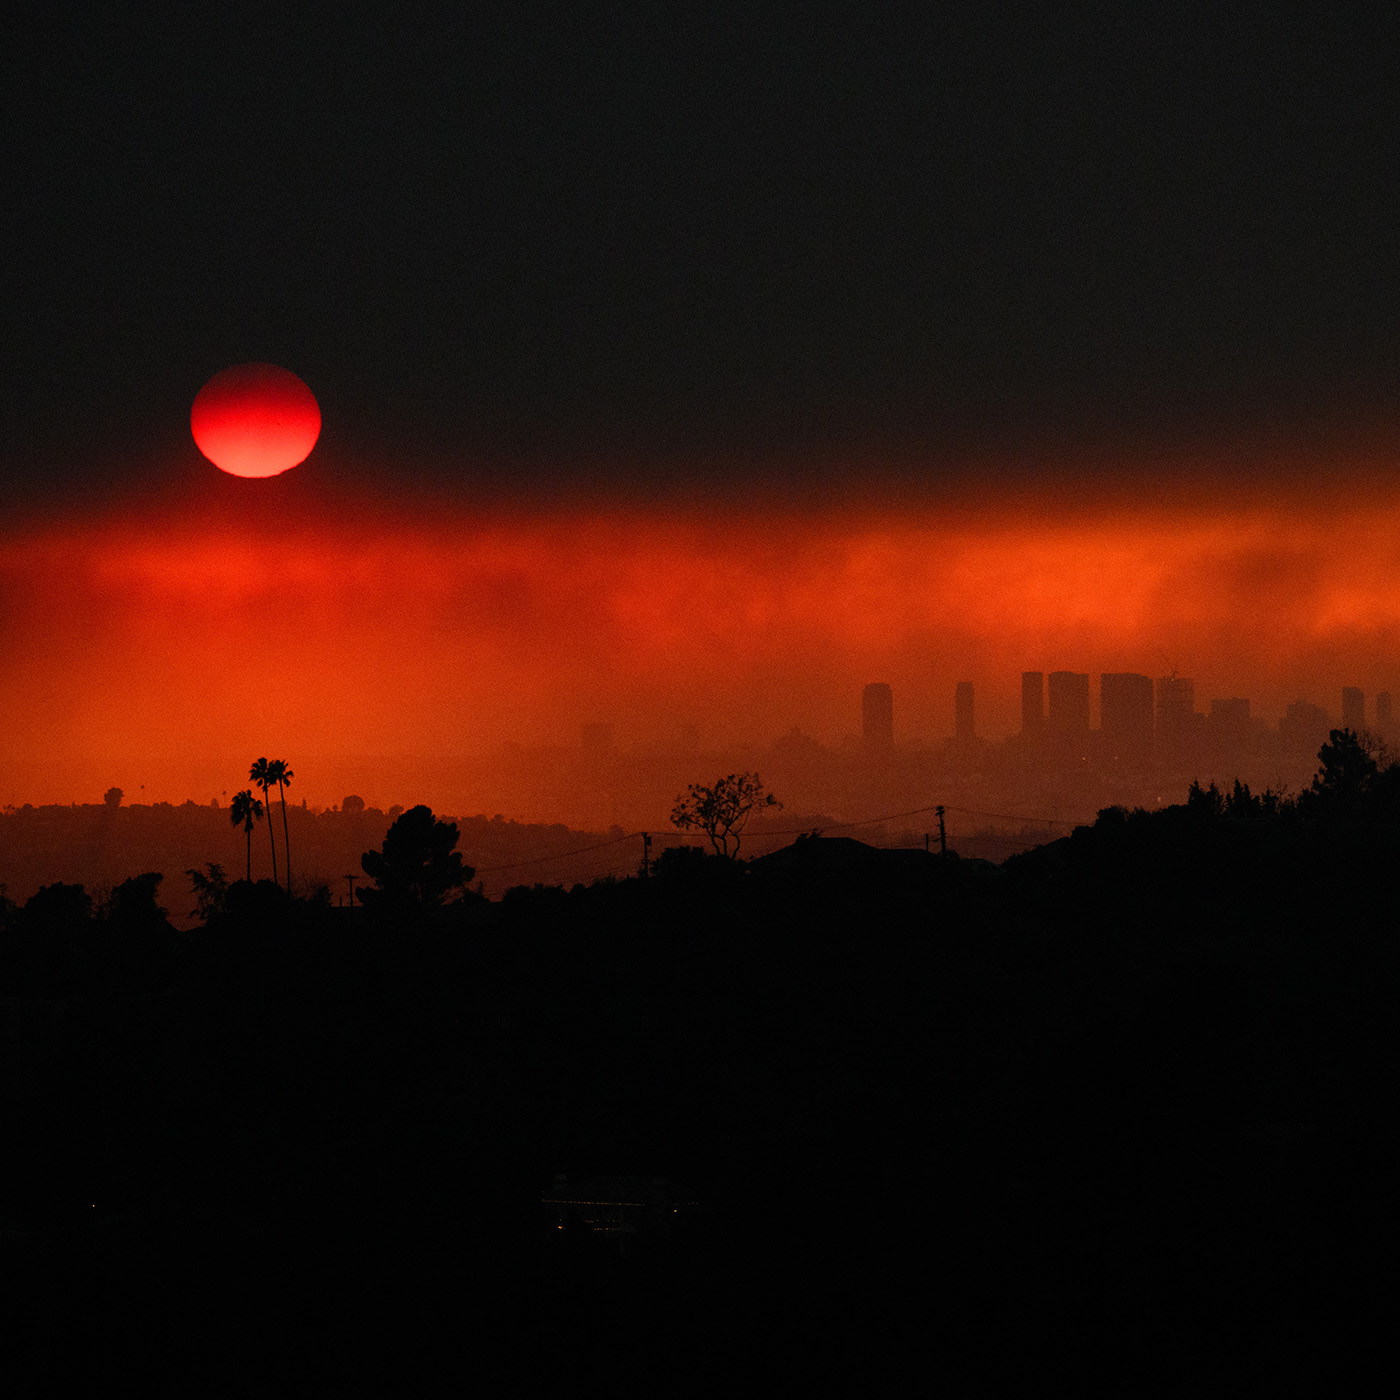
(1353, 708)
(1068, 716)
(1032, 704)
(1384, 714)
(1125, 713)
(1176, 712)
(964, 730)
(1304, 727)
(877, 717)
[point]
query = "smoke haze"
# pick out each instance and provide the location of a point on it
(194, 638)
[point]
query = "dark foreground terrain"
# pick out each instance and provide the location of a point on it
(1120, 1114)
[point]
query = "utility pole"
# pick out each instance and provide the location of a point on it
(646, 855)
(942, 834)
(350, 880)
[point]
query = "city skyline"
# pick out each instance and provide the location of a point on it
(682, 408)
(657, 393)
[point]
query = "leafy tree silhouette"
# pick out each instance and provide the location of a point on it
(261, 774)
(112, 797)
(132, 905)
(279, 773)
(210, 891)
(246, 808)
(1348, 768)
(418, 864)
(1205, 802)
(722, 811)
(58, 908)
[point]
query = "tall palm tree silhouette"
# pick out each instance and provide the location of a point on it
(245, 808)
(279, 773)
(261, 774)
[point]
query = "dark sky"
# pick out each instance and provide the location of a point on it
(515, 236)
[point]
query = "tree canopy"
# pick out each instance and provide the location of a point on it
(418, 864)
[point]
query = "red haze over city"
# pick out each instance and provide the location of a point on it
(163, 647)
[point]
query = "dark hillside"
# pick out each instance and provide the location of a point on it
(99, 846)
(1126, 1101)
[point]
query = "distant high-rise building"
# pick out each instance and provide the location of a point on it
(1176, 708)
(1068, 715)
(1384, 714)
(962, 712)
(1353, 708)
(1032, 703)
(1125, 711)
(1304, 727)
(877, 716)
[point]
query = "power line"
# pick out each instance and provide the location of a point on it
(763, 834)
(1012, 817)
(843, 826)
(561, 855)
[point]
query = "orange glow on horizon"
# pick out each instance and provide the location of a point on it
(438, 630)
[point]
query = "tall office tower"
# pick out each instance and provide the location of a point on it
(877, 716)
(1176, 708)
(1125, 712)
(1384, 714)
(1353, 708)
(1069, 704)
(1304, 727)
(962, 712)
(1032, 704)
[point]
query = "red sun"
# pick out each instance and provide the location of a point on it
(255, 420)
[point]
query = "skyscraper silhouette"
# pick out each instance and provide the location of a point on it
(1125, 713)
(1032, 704)
(1176, 709)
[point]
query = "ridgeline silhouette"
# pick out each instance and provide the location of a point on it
(1127, 1098)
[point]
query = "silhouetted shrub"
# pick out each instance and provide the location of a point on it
(57, 908)
(418, 865)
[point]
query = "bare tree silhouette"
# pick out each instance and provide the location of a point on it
(261, 774)
(722, 811)
(279, 773)
(246, 808)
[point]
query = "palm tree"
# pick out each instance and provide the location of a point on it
(279, 773)
(261, 774)
(245, 808)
